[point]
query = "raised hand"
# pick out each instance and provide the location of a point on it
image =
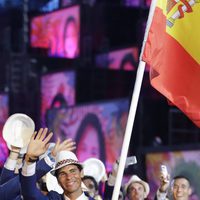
(67, 144)
(39, 143)
(164, 182)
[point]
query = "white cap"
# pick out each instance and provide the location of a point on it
(18, 129)
(95, 168)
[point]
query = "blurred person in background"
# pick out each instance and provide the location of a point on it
(136, 188)
(179, 188)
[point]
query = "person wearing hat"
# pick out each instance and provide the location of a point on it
(10, 187)
(68, 171)
(136, 188)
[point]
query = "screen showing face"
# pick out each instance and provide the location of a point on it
(57, 90)
(97, 128)
(185, 163)
(124, 59)
(58, 32)
(3, 118)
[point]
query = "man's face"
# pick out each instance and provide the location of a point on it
(136, 191)
(181, 189)
(69, 178)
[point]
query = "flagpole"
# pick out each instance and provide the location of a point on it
(132, 110)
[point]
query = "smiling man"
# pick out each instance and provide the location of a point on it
(68, 171)
(180, 189)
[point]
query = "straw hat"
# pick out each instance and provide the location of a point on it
(136, 179)
(64, 158)
(18, 129)
(95, 168)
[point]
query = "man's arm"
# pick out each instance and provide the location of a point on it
(10, 189)
(29, 189)
(10, 165)
(161, 193)
(37, 146)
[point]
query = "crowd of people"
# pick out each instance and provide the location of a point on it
(21, 174)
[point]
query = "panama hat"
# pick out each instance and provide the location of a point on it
(64, 158)
(18, 130)
(136, 179)
(95, 168)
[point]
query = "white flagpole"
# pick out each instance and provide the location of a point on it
(133, 107)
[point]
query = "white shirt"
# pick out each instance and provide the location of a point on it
(82, 197)
(10, 164)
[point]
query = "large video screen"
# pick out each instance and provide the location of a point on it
(57, 32)
(57, 90)
(178, 163)
(97, 128)
(3, 117)
(124, 59)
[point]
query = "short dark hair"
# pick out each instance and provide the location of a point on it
(182, 176)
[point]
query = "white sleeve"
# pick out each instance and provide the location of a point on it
(49, 161)
(28, 170)
(10, 164)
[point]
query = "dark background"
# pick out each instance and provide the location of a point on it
(105, 25)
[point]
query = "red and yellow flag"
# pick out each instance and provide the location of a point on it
(173, 52)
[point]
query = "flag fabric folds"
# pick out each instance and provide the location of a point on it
(172, 50)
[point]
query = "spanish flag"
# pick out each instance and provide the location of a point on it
(172, 50)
